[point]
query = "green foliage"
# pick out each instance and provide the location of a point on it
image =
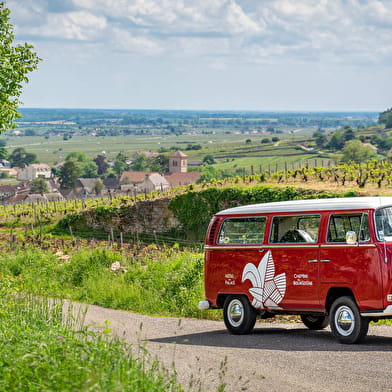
(15, 63)
(168, 282)
(320, 139)
(140, 163)
(85, 265)
(159, 164)
(100, 161)
(119, 167)
(386, 118)
(71, 220)
(209, 159)
(383, 143)
(77, 156)
(210, 173)
(3, 153)
(195, 209)
(39, 185)
(69, 174)
(44, 348)
(20, 157)
(355, 151)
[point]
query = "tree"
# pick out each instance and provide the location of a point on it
(101, 163)
(140, 163)
(39, 185)
(15, 63)
(119, 164)
(88, 169)
(209, 159)
(386, 118)
(77, 156)
(98, 187)
(3, 153)
(69, 174)
(160, 163)
(20, 157)
(119, 167)
(320, 139)
(348, 133)
(355, 151)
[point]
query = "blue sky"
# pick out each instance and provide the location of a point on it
(316, 55)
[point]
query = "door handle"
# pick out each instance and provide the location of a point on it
(313, 261)
(325, 261)
(261, 250)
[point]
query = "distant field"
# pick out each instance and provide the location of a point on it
(55, 149)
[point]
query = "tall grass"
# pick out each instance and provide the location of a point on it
(164, 282)
(39, 352)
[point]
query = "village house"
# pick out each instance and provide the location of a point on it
(133, 182)
(33, 171)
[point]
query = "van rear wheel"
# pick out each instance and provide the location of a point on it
(239, 315)
(346, 322)
(315, 322)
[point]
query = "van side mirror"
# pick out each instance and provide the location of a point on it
(351, 238)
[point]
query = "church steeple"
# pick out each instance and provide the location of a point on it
(178, 162)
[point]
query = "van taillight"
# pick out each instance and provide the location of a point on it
(212, 232)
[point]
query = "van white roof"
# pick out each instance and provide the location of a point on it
(344, 203)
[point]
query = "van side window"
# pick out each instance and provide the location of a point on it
(295, 229)
(244, 230)
(340, 224)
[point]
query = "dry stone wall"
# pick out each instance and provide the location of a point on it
(144, 217)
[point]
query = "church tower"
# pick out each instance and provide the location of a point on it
(178, 162)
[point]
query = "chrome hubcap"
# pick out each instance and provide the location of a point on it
(235, 313)
(344, 320)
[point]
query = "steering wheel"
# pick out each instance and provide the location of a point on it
(296, 235)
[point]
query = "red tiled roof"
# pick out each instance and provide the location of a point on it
(178, 179)
(178, 153)
(134, 176)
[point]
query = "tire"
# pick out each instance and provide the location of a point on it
(239, 315)
(346, 322)
(315, 322)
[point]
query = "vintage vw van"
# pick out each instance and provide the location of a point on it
(327, 260)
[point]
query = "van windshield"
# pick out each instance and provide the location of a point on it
(384, 224)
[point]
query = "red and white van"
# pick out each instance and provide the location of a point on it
(327, 260)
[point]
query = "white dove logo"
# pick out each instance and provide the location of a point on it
(268, 290)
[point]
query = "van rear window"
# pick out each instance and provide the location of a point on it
(243, 230)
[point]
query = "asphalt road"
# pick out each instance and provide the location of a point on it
(275, 357)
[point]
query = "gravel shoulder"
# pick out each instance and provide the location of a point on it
(275, 357)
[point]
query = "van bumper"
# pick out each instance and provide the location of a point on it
(204, 305)
(387, 312)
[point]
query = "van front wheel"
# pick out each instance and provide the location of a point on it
(346, 322)
(239, 315)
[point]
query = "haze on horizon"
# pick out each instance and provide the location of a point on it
(275, 55)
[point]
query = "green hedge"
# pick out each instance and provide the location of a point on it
(194, 210)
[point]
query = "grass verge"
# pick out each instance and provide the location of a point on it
(153, 281)
(39, 352)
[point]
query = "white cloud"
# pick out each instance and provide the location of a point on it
(344, 31)
(125, 41)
